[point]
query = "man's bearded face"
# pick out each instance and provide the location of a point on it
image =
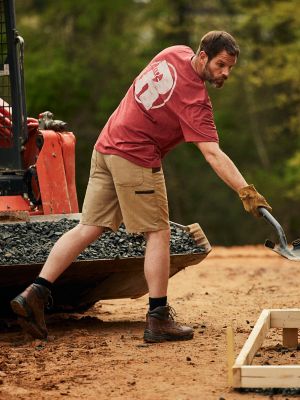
(217, 70)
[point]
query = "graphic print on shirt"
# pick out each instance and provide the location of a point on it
(155, 87)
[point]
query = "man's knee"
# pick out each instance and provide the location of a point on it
(161, 235)
(89, 232)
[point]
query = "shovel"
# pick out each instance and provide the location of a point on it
(290, 252)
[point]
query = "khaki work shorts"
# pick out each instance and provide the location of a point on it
(120, 191)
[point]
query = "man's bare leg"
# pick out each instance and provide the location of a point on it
(67, 248)
(157, 262)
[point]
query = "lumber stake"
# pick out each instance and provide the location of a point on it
(230, 353)
(290, 338)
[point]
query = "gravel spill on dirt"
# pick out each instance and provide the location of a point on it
(272, 391)
(31, 242)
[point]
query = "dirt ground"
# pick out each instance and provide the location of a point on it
(101, 354)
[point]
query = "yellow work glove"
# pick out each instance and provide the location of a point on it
(252, 200)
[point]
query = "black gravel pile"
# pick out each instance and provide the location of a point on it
(272, 391)
(31, 242)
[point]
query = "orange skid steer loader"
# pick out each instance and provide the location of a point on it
(37, 184)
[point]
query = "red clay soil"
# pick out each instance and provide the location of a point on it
(101, 354)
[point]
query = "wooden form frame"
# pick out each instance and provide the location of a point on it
(244, 375)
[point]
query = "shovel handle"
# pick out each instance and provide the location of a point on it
(271, 220)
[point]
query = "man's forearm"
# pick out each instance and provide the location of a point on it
(222, 165)
(226, 170)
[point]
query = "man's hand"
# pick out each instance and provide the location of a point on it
(252, 200)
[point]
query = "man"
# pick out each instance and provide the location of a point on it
(167, 103)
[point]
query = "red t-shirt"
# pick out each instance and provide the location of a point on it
(167, 104)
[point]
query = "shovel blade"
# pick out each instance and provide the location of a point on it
(291, 253)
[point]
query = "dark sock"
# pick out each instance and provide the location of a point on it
(157, 302)
(43, 282)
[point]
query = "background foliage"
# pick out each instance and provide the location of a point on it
(81, 57)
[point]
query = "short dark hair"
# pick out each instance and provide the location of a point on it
(216, 41)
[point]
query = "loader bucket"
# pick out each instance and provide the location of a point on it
(88, 281)
(282, 248)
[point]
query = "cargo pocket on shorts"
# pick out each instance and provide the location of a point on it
(125, 173)
(146, 202)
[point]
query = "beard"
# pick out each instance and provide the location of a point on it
(209, 77)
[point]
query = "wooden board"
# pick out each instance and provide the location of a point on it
(277, 376)
(285, 318)
(255, 339)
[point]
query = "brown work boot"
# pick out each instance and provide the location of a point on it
(29, 306)
(161, 327)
